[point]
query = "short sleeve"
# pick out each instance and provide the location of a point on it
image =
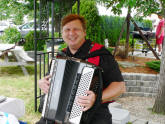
(111, 71)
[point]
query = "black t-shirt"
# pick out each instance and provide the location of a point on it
(111, 72)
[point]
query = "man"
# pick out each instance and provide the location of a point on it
(74, 33)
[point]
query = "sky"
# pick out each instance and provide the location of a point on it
(104, 11)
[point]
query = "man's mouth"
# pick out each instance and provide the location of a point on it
(72, 38)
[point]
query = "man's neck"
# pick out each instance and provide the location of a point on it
(73, 50)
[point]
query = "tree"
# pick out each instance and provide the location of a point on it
(159, 106)
(140, 6)
(146, 7)
(89, 10)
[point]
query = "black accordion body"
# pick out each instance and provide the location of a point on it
(70, 78)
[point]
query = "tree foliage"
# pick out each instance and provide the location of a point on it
(11, 35)
(101, 27)
(111, 26)
(89, 10)
(14, 9)
(142, 7)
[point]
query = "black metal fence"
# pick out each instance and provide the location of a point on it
(46, 13)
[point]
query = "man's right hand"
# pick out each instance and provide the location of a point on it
(44, 84)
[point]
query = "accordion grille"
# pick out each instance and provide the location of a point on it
(83, 86)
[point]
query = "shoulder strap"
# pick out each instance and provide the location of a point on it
(95, 46)
(94, 58)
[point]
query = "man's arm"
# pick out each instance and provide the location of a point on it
(114, 90)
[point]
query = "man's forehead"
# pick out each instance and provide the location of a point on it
(73, 22)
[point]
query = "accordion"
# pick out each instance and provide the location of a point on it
(70, 78)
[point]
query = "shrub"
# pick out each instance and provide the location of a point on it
(155, 65)
(62, 46)
(29, 41)
(11, 35)
(110, 49)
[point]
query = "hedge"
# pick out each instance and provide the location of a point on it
(29, 41)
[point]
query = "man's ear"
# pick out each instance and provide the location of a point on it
(85, 32)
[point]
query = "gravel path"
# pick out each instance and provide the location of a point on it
(141, 108)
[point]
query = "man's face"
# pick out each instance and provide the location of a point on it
(73, 34)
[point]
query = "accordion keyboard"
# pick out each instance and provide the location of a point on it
(83, 86)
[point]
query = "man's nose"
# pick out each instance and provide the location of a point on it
(72, 32)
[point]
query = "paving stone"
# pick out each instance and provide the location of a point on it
(115, 105)
(153, 122)
(133, 89)
(139, 94)
(136, 120)
(127, 64)
(133, 118)
(140, 121)
(131, 83)
(149, 77)
(119, 116)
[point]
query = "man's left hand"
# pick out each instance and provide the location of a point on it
(87, 101)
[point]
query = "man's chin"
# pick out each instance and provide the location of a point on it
(72, 43)
(74, 46)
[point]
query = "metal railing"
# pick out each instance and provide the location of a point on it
(42, 11)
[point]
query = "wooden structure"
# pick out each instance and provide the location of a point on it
(18, 52)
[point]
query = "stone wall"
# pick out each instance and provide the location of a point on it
(144, 85)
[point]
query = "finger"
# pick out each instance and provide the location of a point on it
(83, 105)
(91, 95)
(47, 77)
(44, 85)
(89, 92)
(83, 102)
(86, 99)
(45, 89)
(43, 82)
(46, 82)
(86, 104)
(85, 109)
(83, 97)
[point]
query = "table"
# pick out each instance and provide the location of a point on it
(18, 52)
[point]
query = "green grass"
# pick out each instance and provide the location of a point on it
(14, 84)
(129, 122)
(15, 71)
(155, 65)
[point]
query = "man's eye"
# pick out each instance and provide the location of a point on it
(66, 30)
(76, 29)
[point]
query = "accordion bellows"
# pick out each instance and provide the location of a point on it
(70, 78)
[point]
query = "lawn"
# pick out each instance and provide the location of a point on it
(14, 84)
